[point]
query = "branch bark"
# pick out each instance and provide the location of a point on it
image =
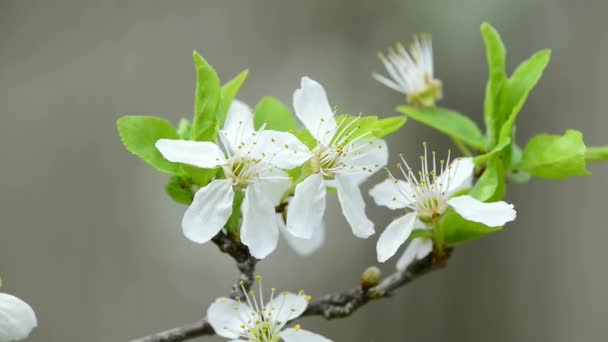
(330, 306)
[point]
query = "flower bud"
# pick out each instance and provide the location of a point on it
(370, 277)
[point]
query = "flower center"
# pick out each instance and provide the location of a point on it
(427, 190)
(242, 171)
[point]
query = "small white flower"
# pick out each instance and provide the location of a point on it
(17, 318)
(251, 162)
(412, 73)
(428, 197)
(256, 321)
(337, 161)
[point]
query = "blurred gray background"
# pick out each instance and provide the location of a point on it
(88, 237)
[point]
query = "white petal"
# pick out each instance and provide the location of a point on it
(281, 149)
(293, 335)
(209, 211)
(313, 109)
(417, 249)
(353, 206)
(259, 230)
(274, 189)
(494, 214)
(238, 126)
(203, 154)
(306, 209)
(304, 247)
(394, 236)
(460, 176)
(17, 318)
(285, 307)
(226, 316)
(366, 155)
(394, 194)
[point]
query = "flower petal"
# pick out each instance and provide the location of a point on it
(460, 176)
(300, 335)
(285, 307)
(259, 230)
(209, 211)
(417, 249)
(275, 187)
(281, 149)
(394, 194)
(203, 154)
(306, 209)
(238, 126)
(303, 247)
(394, 236)
(226, 317)
(494, 214)
(17, 318)
(353, 206)
(313, 109)
(366, 155)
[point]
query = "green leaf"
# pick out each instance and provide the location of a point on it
(234, 221)
(458, 230)
(275, 114)
(200, 177)
(227, 94)
(306, 138)
(596, 154)
(520, 84)
(497, 75)
(140, 133)
(421, 233)
(184, 129)
(352, 127)
(555, 157)
(389, 126)
(491, 185)
(180, 190)
(480, 159)
(449, 122)
(206, 99)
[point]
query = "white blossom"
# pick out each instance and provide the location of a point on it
(254, 320)
(412, 73)
(428, 195)
(250, 162)
(17, 318)
(342, 159)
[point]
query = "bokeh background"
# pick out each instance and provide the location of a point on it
(88, 237)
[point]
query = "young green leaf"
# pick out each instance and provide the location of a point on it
(140, 133)
(234, 221)
(596, 154)
(389, 126)
(449, 122)
(457, 230)
(179, 189)
(482, 158)
(497, 76)
(227, 94)
(275, 114)
(555, 157)
(184, 129)
(491, 185)
(520, 84)
(206, 99)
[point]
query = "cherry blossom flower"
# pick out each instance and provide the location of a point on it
(341, 159)
(428, 195)
(256, 321)
(250, 162)
(412, 73)
(17, 318)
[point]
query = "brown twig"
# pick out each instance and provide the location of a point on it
(334, 305)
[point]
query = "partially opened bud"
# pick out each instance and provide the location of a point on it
(370, 277)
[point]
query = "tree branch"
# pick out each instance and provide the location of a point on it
(333, 305)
